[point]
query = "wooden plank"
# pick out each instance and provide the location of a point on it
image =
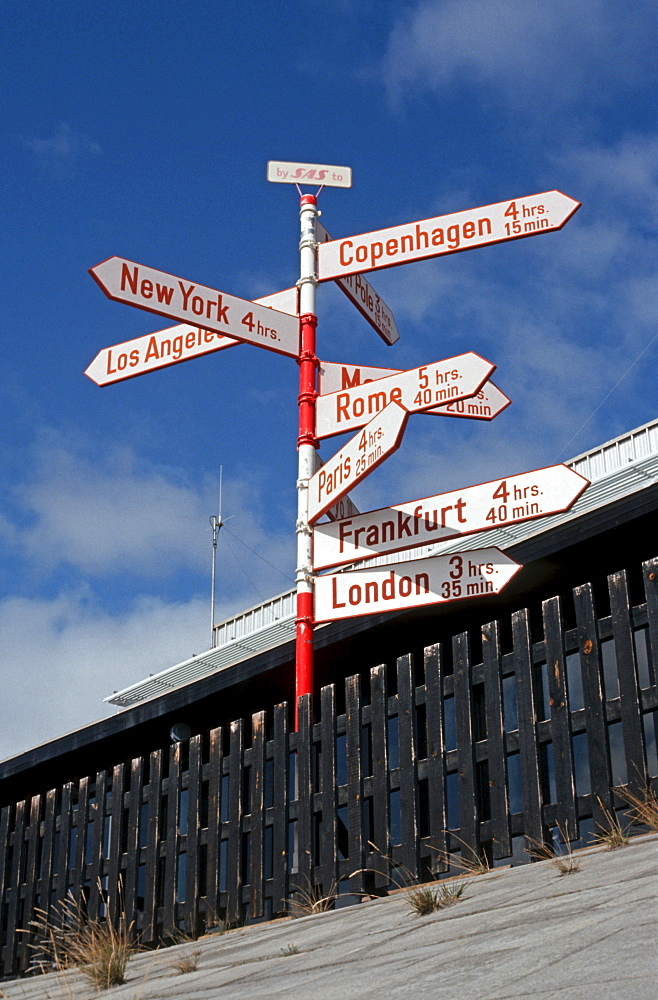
(281, 813)
(533, 825)
(5, 819)
(354, 781)
(629, 686)
(33, 837)
(64, 844)
(565, 785)
(193, 836)
(95, 873)
(46, 879)
(153, 847)
(135, 799)
(305, 869)
(114, 876)
(650, 574)
(15, 879)
(496, 750)
(435, 757)
(328, 842)
(80, 839)
(257, 811)
(409, 850)
(380, 778)
(214, 826)
(234, 861)
(171, 851)
(469, 820)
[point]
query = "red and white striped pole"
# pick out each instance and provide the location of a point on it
(307, 444)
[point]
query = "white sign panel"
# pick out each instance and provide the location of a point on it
(309, 173)
(363, 453)
(446, 234)
(154, 351)
(418, 389)
(286, 301)
(484, 405)
(162, 293)
(412, 584)
(365, 298)
(447, 515)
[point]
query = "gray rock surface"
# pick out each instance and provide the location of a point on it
(517, 933)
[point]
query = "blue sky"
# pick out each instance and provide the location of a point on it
(143, 130)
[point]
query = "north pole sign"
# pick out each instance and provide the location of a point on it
(356, 460)
(486, 404)
(412, 584)
(164, 294)
(447, 515)
(417, 389)
(446, 234)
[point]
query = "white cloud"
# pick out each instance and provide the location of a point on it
(63, 655)
(64, 145)
(538, 54)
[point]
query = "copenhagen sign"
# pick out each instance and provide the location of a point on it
(412, 584)
(446, 234)
(447, 515)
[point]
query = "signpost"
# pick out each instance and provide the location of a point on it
(377, 400)
(154, 351)
(365, 298)
(363, 453)
(412, 584)
(447, 515)
(446, 234)
(417, 389)
(166, 295)
(483, 405)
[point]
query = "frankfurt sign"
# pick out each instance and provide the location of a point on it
(446, 234)
(412, 584)
(447, 515)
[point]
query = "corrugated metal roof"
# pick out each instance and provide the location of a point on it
(616, 469)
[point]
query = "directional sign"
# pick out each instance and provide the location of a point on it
(286, 301)
(412, 584)
(365, 298)
(154, 351)
(484, 405)
(162, 293)
(445, 234)
(363, 453)
(344, 508)
(309, 173)
(447, 515)
(418, 389)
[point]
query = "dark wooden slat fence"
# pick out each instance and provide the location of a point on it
(230, 825)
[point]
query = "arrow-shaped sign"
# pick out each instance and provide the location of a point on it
(447, 515)
(446, 234)
(412, 584)
(363, 453)
(484, 405)
(167, 295)
(417, 389)
(365, 298)
(154, 351)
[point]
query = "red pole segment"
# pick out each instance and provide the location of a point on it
(307, 444)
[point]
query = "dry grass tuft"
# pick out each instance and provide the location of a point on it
(644, 805)
(563, 861)
(470, 863)
(186, 962)
(290, 949)
(311, 899)
(610, 834)
(425, 899)
(67, 939)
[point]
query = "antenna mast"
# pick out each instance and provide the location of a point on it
(216, 524)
